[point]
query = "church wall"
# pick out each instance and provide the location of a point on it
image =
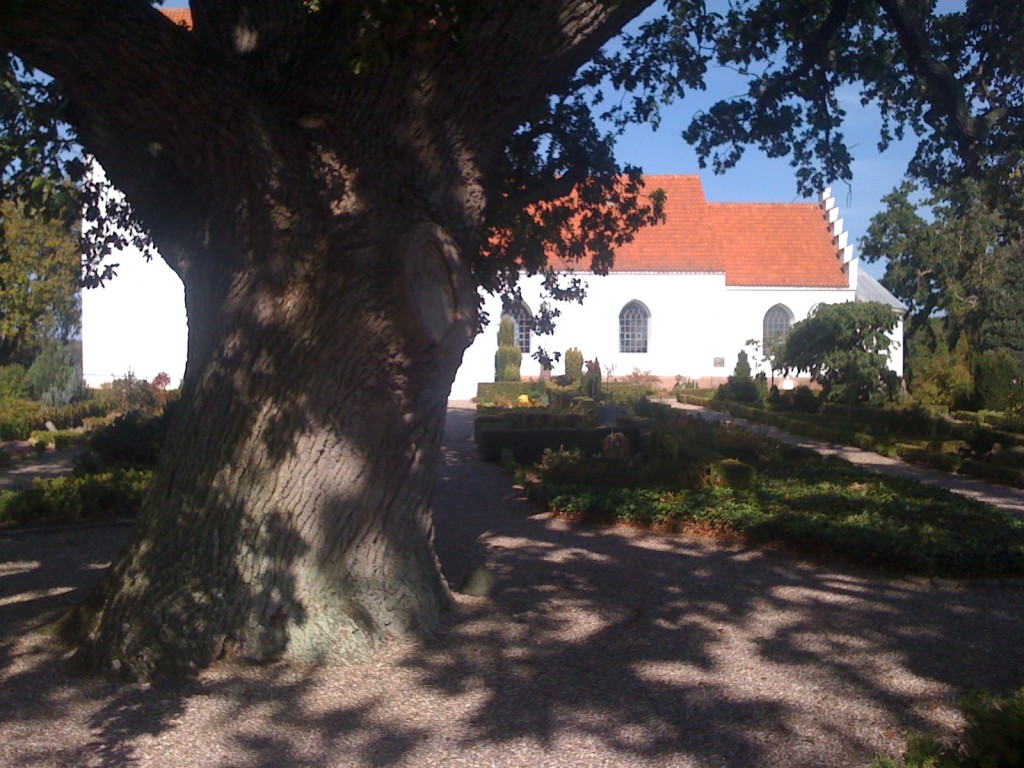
(697, 326)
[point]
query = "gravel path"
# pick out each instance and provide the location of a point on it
(599, 648)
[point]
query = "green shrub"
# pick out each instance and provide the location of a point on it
(731, 473)
(61, 439)
(507, 393)
(133, 439)
(590, 385)
(527, 446)
(995, 473)
(740, 387)
(573, 365)
(71, 499)
(54, 378)
(12, 382)
(75, 414)
(944, 461)
(509, 358)
(18, 418)
(800, 400)
(996, 380)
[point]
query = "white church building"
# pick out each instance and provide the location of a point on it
(685, 296)
(682, 300)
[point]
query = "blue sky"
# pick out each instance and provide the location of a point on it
(758, 178)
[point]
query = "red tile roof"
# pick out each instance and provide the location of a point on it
(763, 244)
(182, 16)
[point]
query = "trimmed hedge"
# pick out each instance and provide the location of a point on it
(509, 391)
(528, 445)
(19, 418)
(72, 499)
(61, 439)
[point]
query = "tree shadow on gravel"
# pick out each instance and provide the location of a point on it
(598, 647)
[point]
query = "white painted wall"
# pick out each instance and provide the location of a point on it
(695, 318)
(136, 322)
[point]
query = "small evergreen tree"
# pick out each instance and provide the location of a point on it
(509, 358)
(741, 387)
(591, 382)
(54, 378)
(573, 364)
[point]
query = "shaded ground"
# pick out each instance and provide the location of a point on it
(600, 647)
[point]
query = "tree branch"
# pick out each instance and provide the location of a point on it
(945, 90)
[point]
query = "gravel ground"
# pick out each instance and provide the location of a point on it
(599, 648)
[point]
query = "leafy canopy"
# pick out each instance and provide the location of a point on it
(39, 270)
(951, 77)
(844, 347)
(962, 259)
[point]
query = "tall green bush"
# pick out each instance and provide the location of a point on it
(574, 364)
(508, 359)
(591, 381)
(54, 378)
(741, 387)
(12, 382)
(997, 380)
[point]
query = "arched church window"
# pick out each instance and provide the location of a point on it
(633, 322)
(522, 317)
(776, 325)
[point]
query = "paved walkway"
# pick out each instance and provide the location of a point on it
(49, 464)
(1010, 499)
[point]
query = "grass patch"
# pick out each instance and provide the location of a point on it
(786, 497)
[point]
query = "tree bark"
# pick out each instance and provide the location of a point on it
(290, 515)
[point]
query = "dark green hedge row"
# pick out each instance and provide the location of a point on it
(70, 499)
(528, 445)
(995, 473)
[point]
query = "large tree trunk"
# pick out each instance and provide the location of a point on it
(290, 516)
(318, 175)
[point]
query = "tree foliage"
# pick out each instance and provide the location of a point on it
(963, 259)
(844, 347)
(39, 271)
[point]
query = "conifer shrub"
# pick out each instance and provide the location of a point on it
(590, 385)
(573, 365)
(997, 375)
(732, 473)
(508, 359)
(741, 387)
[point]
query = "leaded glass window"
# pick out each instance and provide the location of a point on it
(523, 319)
(633, 321)
(776, 325)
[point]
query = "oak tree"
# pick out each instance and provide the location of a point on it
(332, 181)
(39, 270)
(961, 259)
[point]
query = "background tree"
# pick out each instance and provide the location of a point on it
(964, 260)
(332, 185)
(845, 348)
(40, 262)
